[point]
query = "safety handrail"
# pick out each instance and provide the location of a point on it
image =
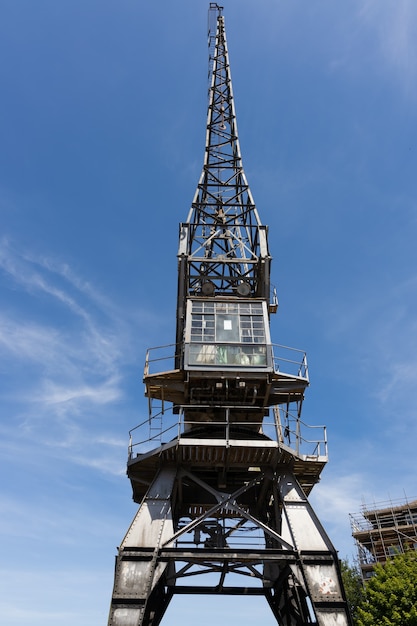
(288, 434)
(280, 355)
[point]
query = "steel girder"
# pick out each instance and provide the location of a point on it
(138, 596)
(295, 567)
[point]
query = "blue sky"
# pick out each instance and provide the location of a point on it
(102, 119)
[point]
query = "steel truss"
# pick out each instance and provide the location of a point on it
(224, 503)
(223, 241)
(281, 548)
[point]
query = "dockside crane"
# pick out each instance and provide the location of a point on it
(223, 467)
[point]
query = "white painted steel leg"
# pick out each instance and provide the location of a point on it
(318, 569)
(138, 572)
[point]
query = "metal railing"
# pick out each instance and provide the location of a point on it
(285, 360)
(285, 428)
(163, 357)
(286, 365)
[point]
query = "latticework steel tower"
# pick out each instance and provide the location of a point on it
(222, 468)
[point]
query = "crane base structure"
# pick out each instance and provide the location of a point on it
(251, 524)
(223, 466)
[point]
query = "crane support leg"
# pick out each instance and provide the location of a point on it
(139, 593)
(316, 575)
(298, 569)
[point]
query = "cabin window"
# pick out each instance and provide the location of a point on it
(227, 333)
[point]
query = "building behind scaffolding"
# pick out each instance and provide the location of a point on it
(383, 530)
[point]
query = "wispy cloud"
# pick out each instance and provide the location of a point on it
(67, 347)
(339, 497)
(100, 393)
(44, 277)
(333, 500)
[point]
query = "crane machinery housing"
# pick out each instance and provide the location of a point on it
(222, 468)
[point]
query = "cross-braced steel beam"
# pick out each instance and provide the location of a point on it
(274, 547)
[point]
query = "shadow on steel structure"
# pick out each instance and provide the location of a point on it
(222, 469)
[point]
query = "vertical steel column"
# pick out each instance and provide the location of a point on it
(137, 593)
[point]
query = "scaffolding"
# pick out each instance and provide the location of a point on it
(383, 530)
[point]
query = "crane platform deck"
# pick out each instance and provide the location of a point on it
(178, 386)
(212, 455)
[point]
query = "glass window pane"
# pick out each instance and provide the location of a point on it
(227, 329)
